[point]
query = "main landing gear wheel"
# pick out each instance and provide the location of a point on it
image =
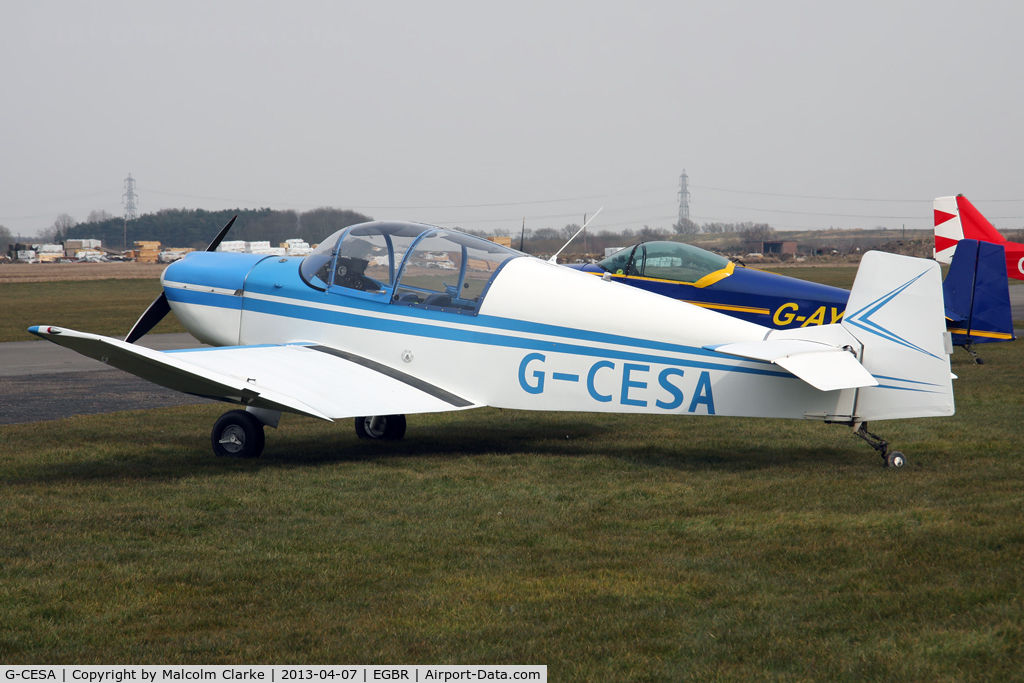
(238, 434)
(384, 427)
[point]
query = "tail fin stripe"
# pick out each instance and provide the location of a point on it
(911, 381)
(920, 391)
(862, 318)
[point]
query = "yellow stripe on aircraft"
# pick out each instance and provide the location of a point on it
(979, 333)
(728, 307)
(709, 279)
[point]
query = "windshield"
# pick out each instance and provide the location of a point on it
(424, 265)
(316, 268)
(665, 261)
(368, 256)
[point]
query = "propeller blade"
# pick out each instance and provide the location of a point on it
(159, 308)
(154, 314)
(221, 235)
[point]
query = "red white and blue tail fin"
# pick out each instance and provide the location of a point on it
(957, 219)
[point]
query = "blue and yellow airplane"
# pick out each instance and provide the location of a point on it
(976, 295)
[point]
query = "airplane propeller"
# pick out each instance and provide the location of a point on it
(159, 308)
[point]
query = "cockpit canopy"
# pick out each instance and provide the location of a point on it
(665, 261)
(407, 263)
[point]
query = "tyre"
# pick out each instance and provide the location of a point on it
(237, 434)
(388, 427)
(895, 459)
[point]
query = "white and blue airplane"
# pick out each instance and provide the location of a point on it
(384, 319)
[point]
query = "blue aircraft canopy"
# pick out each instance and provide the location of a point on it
(380, 245)
(665, 261)
(407, 263)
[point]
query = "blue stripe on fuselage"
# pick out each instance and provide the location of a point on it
(417, 324)
(191, 296)
(263, 280)
(483, 336)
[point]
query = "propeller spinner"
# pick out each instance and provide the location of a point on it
(159, 308)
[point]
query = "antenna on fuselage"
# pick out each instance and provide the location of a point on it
(554, 259)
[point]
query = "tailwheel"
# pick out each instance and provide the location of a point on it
(384, 427)
(969, 348)
(890, 458)
(237, 434)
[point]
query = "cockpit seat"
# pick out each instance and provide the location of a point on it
(439, 299)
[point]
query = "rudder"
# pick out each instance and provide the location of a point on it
(976, 294)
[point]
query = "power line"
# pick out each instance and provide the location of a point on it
(805, 196)
(50, 200)
(391, 207)
(551, 201)
(842, 199)
(837, 215)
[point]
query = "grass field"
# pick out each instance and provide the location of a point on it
(108, 307)
(65, 272)
(608, 547)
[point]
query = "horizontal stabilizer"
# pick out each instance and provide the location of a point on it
(332, 384)
(822, 365)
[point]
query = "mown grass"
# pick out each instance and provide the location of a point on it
(607, 547)
(108, 307)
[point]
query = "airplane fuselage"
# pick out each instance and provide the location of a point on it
(756, 296)
(695, 276)
(385, 319)
(544, 338)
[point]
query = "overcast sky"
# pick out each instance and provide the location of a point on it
(476, 114)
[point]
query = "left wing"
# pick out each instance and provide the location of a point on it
(307, 378)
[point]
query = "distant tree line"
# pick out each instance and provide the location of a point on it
(749, 232)
(549, 240)
(196, 228)
(6, 239)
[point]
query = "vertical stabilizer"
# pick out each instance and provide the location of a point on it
(957, 219)
(896, 311)
(977, 296)
(974, 225)
(948, 230)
